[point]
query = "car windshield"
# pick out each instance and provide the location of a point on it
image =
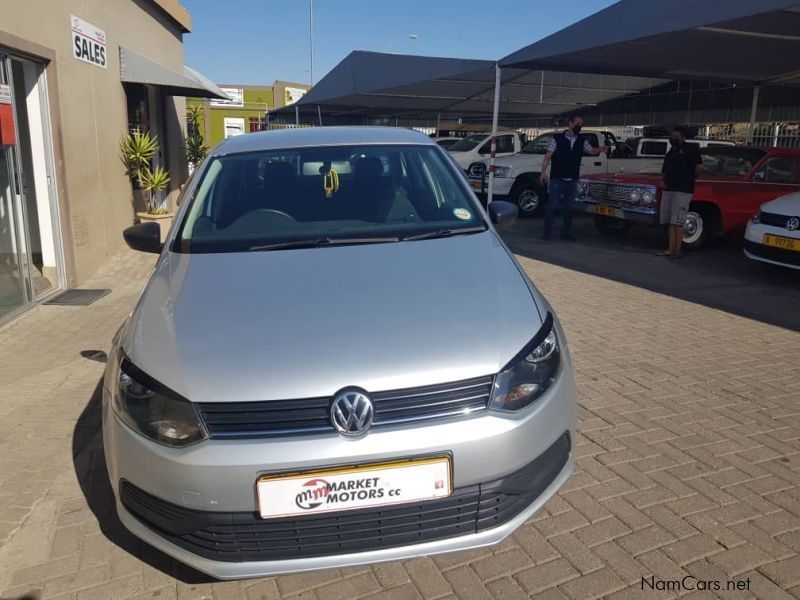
(538, 145)
(326, 195)
(468, 143)
(731, 160)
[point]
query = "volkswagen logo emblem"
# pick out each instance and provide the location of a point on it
(793, 224)
(352, 412)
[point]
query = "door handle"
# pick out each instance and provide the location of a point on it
(598, 163)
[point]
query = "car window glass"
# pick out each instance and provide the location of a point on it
(505, 143)
(538, 145)
(258, 198)
(468, 143)
(731, 160)
(780, 170)
(652, 148)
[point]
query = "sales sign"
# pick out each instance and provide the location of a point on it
(88, 43)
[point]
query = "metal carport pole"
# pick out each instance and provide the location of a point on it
(495, 116)
(753, 112)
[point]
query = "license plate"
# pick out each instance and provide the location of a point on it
(777, 241)
(602, 209)
(352, 488)
(477, 186)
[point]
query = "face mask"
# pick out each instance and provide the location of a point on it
(674, 142)
(577, 128)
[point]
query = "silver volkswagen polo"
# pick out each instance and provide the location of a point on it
(335, 361)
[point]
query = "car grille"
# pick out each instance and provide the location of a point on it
(611, 193)
(243, 536)
(773, 219)
(239, 420)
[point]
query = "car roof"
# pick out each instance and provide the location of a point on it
(320, 136)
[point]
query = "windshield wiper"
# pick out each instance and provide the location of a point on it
(440, 233)
(323, 241)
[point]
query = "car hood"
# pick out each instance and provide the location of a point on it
(788, 205)
(306, 323)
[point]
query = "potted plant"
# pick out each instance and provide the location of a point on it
(196, 149)
(137, 150)
(154, 182)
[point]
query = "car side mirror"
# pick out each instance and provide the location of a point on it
(144, 237)
(760, 176)
(502, 213)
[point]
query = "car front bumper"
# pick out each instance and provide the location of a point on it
(646, 216)
(754, 247)
(216, 479)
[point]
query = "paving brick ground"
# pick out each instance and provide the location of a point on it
(688, 464)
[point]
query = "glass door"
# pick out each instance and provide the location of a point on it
(16, 291)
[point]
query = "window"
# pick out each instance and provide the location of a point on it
(538, 145)
(250, 200)
(468, 143)
(233, 126)
(654, 148)
(257, 124)
(505, 144)
(731, 160)
(780, 170)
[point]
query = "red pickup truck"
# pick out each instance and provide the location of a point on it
(736, 182)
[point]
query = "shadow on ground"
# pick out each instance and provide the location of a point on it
(90, 467)
(719, 276)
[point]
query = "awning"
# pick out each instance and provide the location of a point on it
(377, 84)
(135, 68)
(739, 41)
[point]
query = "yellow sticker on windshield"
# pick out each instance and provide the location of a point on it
(462, 213)
(330, 183)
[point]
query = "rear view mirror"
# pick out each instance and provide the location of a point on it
(760, 176)
(144, 237)
(502, 213)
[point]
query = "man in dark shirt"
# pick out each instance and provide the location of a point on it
(681, 165)
(565, 152)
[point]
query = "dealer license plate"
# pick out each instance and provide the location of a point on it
(477, 185)
(602, 209)
(370, 486)
(777, 241)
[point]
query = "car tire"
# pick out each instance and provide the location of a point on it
(610, 225)
(529, 198)
(695, 229)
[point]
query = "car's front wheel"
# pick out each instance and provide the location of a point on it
(695, 229)
(529, 197)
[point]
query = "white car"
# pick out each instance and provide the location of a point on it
(446, 142)
(479, 146)
(773, 234)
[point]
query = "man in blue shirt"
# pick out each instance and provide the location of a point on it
(565, 152)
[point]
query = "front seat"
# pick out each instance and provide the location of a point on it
(376, 196)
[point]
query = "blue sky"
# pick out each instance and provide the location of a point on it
(260, 41)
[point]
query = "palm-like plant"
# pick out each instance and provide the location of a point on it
(136, 151)
(153, 181)
(196, 149)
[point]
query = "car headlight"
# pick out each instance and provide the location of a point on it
(153, 410)
(530, 372)
(757, 217)
(648, 197)
(500, 171)
(636, 195)
(583, 188)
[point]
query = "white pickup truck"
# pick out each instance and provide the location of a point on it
(479, 146)
(516, 177)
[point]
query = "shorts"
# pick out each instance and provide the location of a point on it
(674, 206)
